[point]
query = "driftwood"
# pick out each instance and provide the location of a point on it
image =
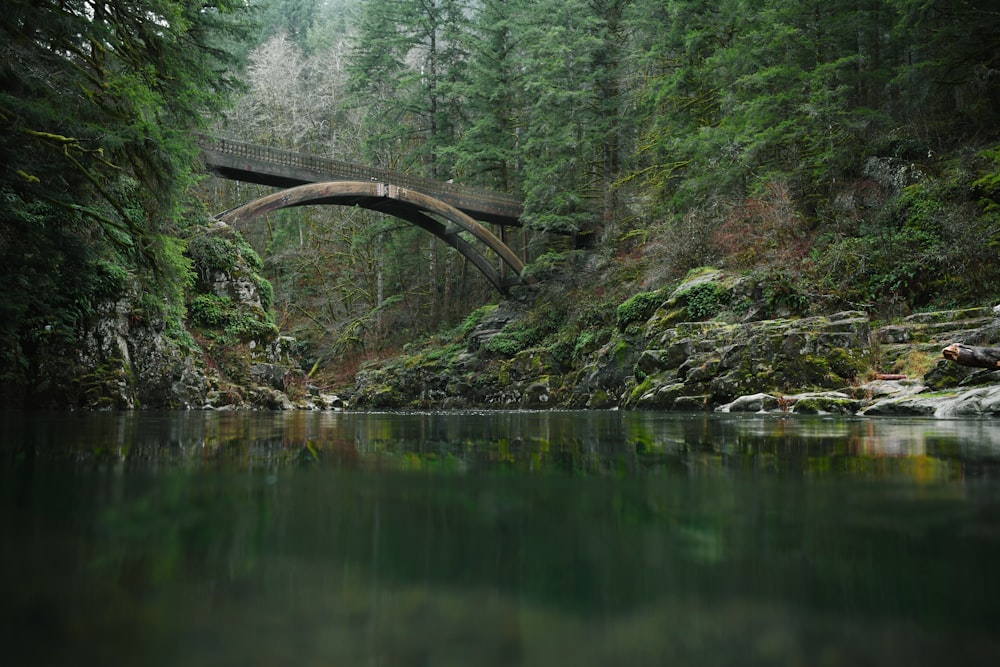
(977, 357)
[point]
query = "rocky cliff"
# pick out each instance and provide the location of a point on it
(226, 352)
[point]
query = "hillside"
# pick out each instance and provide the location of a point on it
(823, 157)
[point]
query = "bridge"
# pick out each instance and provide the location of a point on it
(446, 210)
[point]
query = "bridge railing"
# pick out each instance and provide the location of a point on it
(460, 196)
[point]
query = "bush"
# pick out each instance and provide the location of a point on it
(704, 300)
(236, 322)
(214, 252)
(638, 308)
(766, 230)
(519, 336)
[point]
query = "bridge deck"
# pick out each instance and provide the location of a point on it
(252, 163)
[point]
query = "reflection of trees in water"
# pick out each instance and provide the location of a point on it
(366, 536)
(607, 443)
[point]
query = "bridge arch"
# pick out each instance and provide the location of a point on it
(409, 205)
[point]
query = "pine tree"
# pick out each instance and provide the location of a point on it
(99, 104)
(407, 71)
(949, 58)
(486, 152)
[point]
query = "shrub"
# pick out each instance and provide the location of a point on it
(766, 230)
(704, 300)
(214, 252)
(237, 323)
(638, 308)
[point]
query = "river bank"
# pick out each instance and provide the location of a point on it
(705, 343)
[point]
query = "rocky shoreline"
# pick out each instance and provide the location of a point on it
(709, 343)
(842, 363)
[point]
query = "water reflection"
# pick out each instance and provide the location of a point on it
(497, 539)
(602, 443)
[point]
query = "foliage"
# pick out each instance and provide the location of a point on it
(732, 132)
(925, 243)
(231, 255)
(100, 104)
(766, 230)
(638, 308)
(473, 319)
(523, 334)
(987, 186)
(704, 300)
(783, 294)
(214, 252)
(915, 364)
(228, 321)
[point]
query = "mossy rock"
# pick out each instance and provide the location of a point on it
(600, 400)
(834, 405)
(664, 319)
(532, 363)
(693, 403)
(946, 374)
(638, 308)
(654, 395)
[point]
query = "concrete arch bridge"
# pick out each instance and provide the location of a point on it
(451, 212)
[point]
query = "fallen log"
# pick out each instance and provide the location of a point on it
(977, 357)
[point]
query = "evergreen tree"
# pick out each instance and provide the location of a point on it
(678, 93)
(570, 140)
(98, 103)
(746, 93)
(948, 55)
(486, 152)
(294, 18)
(406, 72)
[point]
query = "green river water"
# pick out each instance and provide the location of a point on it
(497, 538)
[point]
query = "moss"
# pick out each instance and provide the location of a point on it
(227, 252)
(915, 363)
(813, 405)
(473, 319)
(638, 308)
(103, 387)
(700, 272)
(665, 318)
(704, 300)
(600, 399)
(531, 363)
(523, 334)
(847, 364)
(227, 321)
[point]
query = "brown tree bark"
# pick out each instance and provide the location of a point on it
(977, 357)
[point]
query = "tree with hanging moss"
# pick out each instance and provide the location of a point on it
(99, 105)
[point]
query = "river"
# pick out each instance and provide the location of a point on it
(497, 538)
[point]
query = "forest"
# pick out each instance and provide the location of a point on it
(846, 153)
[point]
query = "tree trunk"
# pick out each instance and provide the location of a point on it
(977, 357)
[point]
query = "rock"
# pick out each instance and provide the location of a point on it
(265, 398)
(894, 334)
(907, 406)
(879, 389)
(271, 375)
(493, 322)
(658, 398)
(825, 403)
(979, 402)
(751, 403)
(692, 403)
(331, 402)
(536, 395)
(806, 365)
